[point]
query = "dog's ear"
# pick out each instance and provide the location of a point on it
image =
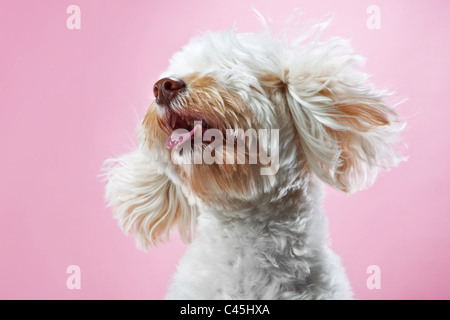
(347, 132)
(146, 203)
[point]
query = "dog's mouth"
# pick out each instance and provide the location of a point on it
(182, 127)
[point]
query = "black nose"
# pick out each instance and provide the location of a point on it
(166, 89)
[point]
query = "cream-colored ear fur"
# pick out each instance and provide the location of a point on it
(347, 132)
(146, 203)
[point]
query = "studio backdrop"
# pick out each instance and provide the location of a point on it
(76, 78)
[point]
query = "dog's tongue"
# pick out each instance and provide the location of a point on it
(177, 138)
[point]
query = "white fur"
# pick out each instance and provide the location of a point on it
(271, 244)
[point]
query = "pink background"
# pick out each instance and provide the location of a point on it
(69, 99)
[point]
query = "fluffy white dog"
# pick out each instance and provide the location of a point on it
(253, 234)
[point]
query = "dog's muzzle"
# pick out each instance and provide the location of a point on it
(166, 89)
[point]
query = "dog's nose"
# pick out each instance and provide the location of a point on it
(166, 89)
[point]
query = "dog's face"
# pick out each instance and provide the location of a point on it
(328, 121)
(214, 83)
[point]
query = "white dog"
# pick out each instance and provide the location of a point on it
(254, 235)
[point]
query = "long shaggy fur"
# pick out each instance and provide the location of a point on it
(146, 203)
(346, 128)
(258, 237)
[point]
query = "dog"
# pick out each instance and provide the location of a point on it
(254, 234)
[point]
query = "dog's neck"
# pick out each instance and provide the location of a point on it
(291, 213)
(281, 239)
(273, 247)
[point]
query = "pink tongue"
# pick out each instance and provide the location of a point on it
(177, 138)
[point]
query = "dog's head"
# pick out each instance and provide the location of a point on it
(230, 102)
